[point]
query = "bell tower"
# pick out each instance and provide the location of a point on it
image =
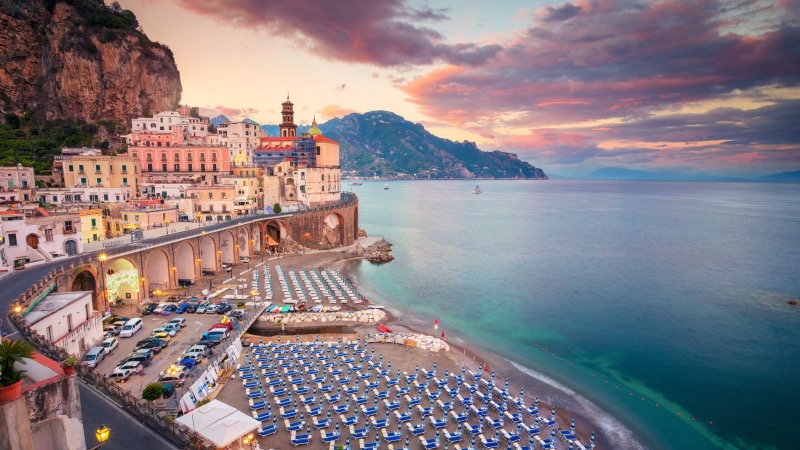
(288, 128)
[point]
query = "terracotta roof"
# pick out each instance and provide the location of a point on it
(321, 138)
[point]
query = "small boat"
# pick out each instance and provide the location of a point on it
(356, 183)
(385, 187)
(374, 306)
(477, 190)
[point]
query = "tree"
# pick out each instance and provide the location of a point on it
(276, 208)
(153, 391)
(11, 352)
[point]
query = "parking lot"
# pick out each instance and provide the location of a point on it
(196, 324)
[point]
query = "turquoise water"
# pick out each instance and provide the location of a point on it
(675, 292)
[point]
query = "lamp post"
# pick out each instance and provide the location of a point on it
(102, 434)
(166, 221)
(198, 215)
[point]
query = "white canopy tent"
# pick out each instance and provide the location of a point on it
(219, 423)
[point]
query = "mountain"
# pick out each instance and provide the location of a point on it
(384, 144)
(81, 60)
(619, 173)
(218, 120)
(783, 177)
(249, 120)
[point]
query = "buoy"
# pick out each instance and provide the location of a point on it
(436, 324)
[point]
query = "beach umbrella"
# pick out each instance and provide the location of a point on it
(437, 434)
(274, 419)
(591, 440)
(389, 365)
(472, 442)
(572, 427)
(308, 430)
(570, 445)
(329, 414)
(553, 414)
(337, 426)
(445, 445)
(536, 402)
(459, 428)
(407, 445)
(416, 369)
(553, 434)
(530, 441)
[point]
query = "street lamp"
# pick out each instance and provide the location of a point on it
(166, 221)
(102, 435)
(249, 440)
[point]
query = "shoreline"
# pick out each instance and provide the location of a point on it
(465, 353)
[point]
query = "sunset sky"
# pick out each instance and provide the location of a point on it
(696, 86)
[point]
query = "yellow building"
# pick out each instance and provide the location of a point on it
(101, 171)
(92, 227)
(213, 203)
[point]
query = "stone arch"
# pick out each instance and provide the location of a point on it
(122, 281)
(333, 230)
(185, 263)
(85, 279)
(208, 254)
(275, 229)
(226, 249)
(243, 241)
(157, 270)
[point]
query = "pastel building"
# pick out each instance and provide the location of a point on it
(241, 138)
(98, 171)
(68, 320)
(16, 183)
(39, 236)
(181, 164)
(164, 121)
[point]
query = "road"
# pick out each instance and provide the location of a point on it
(126, 431)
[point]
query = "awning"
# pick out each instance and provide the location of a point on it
(270, 241)
(219, 423)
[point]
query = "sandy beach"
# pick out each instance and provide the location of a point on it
(460, 354)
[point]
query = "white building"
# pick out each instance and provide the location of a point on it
(16, 183)
(163, 122)
(68, 320)
(241, 138)
(89, 194)
(38, 236)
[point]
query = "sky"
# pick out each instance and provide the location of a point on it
(697, 86)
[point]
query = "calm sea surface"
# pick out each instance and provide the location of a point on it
(671, 292)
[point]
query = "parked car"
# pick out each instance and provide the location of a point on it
(119, 322)
(165, 329)
(199, 349)
(149, 308)
(180, 321)
(244, 259)
(94, 356)
(119, 375)
(111, 330)
(134, 366)
(159, 308)
(163, 335)
(192, 307)
(182, 308)
(189, 362)
(226, 325)
(110, 345)
(201, 309)
(222, 308)
(175, 374)
(170, 309)
(151, 344)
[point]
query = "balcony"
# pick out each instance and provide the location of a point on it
(66, 230)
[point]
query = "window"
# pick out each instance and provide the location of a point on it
(97, 168)
(202, 156)
(25, 197)
(12, 239)
(124, 182)
(149, 156)
(48, 235)
(214, 156)
(100, 181)
(94, 237)
(69, 322)
(93, 198)
(94, 223)
(177, 167)
(163, 156)
(48, 333)
(213, 167)
(77, 198)
(125, 217)
(223, 195)
(190, 167)
(55, 199)
(105, 197)
(70, 168)
(318, 150)
(86, 309)
(163, 167)
(210, 195)
(149, 167)
(136, 218)
(177, 157)
(202, 167)
(124, 168)
(24, 183)
(80, 168)
(188, 156)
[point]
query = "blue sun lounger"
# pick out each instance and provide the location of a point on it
(392, 436)
(295, 426)
(489, 443)
(349, 421)
(267, 430)
(511, 437)
(329, 437)
(402, 417)
(415, 430)
(255, 406)
(428, 444)
(437, 423)
(359, 433)
(452, 438)
(262, 417)
(323, 423)
(459, 418)
(301, 439)
(341, 409)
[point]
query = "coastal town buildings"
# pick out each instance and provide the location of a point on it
(37, 235)
(166, 120)
(68, 320)
(241, 138)
(17, 183)
(89, 170)
(181, 164)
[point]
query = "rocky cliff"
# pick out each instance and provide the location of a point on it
(81, 59)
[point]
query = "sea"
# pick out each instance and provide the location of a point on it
(658, 310)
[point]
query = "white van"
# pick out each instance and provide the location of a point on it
(131, 327)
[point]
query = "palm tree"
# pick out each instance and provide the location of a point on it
(12, 351)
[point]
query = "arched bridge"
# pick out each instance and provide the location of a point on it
(130, 272)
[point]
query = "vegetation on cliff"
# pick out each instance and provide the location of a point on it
(81, 60)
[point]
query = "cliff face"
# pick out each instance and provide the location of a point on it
(63, 60)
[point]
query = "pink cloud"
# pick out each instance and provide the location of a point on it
(384, 33)
(229, 112)
(331, 111)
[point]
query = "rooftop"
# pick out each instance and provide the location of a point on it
(52, 303)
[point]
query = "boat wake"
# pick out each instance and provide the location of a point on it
(617, 434)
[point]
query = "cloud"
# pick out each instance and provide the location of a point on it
(331, 111)
(608, 67)
(383, 33)
(229, 112)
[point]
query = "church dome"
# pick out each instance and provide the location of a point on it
(314, 131)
